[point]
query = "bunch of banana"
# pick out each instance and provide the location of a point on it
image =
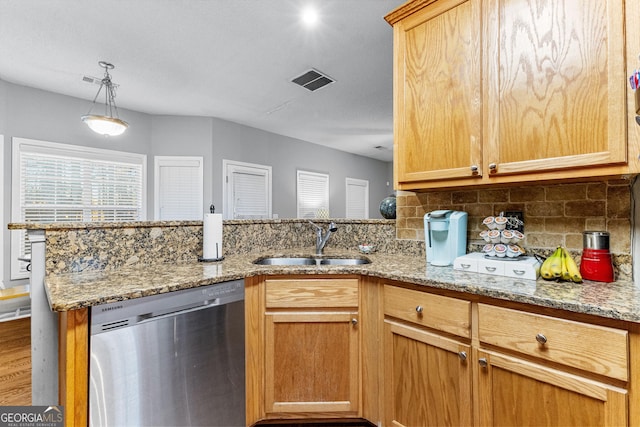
(560, 266)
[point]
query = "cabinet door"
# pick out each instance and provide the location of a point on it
(437, 87)
(517, 392)
(311, 364)
(556, 85)
(427, 378)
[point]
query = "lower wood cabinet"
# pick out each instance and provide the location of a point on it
(516, 392)
(427, 378)
(311, 363)
(452, 361)
(303, 348)
(543, 370)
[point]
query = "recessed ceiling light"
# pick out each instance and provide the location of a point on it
(309, 16)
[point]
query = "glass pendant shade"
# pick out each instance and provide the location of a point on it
(108, 124)
(104, 125)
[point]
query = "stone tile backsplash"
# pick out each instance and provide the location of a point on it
(553, 214)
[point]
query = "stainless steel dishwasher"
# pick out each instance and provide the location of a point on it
(175, 359)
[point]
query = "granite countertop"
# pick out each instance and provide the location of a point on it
(69, 291)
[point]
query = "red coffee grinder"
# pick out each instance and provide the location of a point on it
(596, 263)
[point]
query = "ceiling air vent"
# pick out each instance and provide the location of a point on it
(312, 80)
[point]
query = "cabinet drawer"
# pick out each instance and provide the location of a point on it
(285, 293)
(434, 311)
(593, 348)
(490, 266)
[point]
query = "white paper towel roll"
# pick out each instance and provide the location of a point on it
(212, 237)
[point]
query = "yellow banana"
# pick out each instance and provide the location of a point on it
(556, 263)
(572, 268)
(566, 275)
(551, 268)
(545, 270)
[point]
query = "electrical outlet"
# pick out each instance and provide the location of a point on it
(516, 214)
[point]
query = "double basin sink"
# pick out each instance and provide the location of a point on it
(310, 261)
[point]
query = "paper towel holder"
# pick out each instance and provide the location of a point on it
(212, 209)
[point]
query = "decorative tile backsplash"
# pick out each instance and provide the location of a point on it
(553, 214)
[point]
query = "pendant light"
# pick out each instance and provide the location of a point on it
(108, 124)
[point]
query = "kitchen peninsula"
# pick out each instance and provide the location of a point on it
(478, 325)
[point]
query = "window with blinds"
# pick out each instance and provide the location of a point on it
(63, 183)
(247, 190)
(178, 188)
(312, 195)
(357, 203)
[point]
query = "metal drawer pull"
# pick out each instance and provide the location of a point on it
(492, 269)
(463, 356)
(354, 321)
(541, 339)
(519, 272)
(483, 362)
(465, 265)
(419, 309)
(474, 168)
(493, 167)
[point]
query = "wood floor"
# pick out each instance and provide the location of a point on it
(15, 362)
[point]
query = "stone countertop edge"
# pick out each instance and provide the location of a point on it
(151, 224)
(69, 291)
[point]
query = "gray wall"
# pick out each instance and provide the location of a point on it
(232, 141)
(58, 120)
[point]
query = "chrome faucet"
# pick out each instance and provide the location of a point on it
(322, 237)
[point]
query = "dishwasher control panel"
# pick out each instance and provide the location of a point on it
(119, 314)
(222, 289)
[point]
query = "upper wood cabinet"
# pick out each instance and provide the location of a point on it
(437, 90)
(504, 91)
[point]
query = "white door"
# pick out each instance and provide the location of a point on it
(357, 203)
(178, 185)
(246, 190)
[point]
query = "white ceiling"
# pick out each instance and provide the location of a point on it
(231, 59)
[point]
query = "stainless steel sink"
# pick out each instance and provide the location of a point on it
(285, 261)
(310, 261)
(343, 261)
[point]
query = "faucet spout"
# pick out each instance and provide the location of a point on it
(322, 237)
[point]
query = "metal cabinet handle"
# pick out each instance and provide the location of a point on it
(493, 167)
(541, 339)
(474, 168)
(419, 309)
(491, 269)
(483, 362)
(354, 321)
(462, 355)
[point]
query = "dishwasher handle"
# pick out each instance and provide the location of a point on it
(148, 317)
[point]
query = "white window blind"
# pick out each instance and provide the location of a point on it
(312, 194)
(247, 190)
(178, 186)
(357, 203)
(64, 183)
